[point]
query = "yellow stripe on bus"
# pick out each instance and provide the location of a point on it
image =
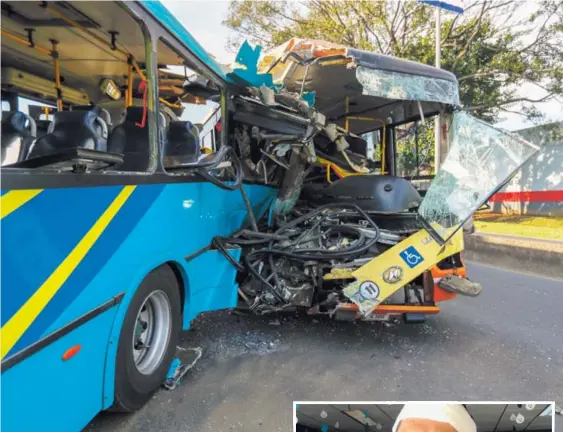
(13, 200)
(13, 330)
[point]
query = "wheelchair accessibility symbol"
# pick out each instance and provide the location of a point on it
(411, 256)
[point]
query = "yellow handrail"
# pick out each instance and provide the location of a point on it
(129, 91)
(82, 28)
(168, 104)
(21, 40)
(57, 61)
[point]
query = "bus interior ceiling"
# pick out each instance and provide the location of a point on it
(83, 59)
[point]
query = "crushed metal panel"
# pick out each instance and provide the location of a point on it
(246, 67)
(247, 70)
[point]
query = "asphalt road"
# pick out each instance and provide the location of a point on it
(506, 344)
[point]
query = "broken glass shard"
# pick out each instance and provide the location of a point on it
(480, 160)
(396, 85)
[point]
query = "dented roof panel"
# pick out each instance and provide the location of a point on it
(350, 82)
(394, 64)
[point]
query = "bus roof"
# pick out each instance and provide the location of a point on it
(349, 82)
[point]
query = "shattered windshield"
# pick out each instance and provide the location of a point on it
(402, 86)
(480, 160)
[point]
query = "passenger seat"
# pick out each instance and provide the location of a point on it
(182, 144)
(71, 129)
(43, 127)
(131, 141)
(103, 115)
(16, 138)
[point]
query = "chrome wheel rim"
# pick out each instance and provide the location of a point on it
(152, 332)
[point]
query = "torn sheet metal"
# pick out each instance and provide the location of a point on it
(246, 67)
(369, 81)
(245, 71)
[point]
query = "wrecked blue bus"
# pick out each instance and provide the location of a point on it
(108, 205)
(143, 183)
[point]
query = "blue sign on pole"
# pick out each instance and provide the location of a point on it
(451, 5)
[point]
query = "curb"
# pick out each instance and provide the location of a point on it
(541, 257)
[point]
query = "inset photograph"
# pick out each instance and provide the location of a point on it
(424, 417)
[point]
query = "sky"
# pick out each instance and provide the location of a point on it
(204, 21)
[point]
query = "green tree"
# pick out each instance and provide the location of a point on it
(494, 47)
(415, 148)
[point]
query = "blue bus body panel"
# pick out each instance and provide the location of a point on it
(156, 224)
(44, 393)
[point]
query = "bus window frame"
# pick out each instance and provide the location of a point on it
(7, 103)
(161, 33)
(222, 136)
(21, 178)
(11, 98)
(29, 178)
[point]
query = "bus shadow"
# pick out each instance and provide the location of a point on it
(253, 365)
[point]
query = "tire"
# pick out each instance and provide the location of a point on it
(138, 376)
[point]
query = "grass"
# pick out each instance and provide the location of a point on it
(526, 226)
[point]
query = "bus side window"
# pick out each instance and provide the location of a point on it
(189, 101)
(80, 128)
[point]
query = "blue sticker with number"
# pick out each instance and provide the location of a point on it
(411, 257)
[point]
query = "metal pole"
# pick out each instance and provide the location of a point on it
(55, 55)
(416, 149)
(437, 135)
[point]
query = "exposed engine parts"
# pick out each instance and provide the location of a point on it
(333, 216)
(303, 252)
(303, 260)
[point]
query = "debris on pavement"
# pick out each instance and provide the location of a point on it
(180, 365)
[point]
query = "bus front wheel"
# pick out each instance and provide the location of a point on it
(148, 339)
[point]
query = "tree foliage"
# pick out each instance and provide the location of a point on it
(495, 47)
(415, 149)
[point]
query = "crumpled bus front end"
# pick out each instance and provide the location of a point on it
(349, 237)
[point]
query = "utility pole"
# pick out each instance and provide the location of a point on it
(437, 121)
(455, 6)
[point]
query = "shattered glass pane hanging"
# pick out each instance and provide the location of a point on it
(480, 160)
